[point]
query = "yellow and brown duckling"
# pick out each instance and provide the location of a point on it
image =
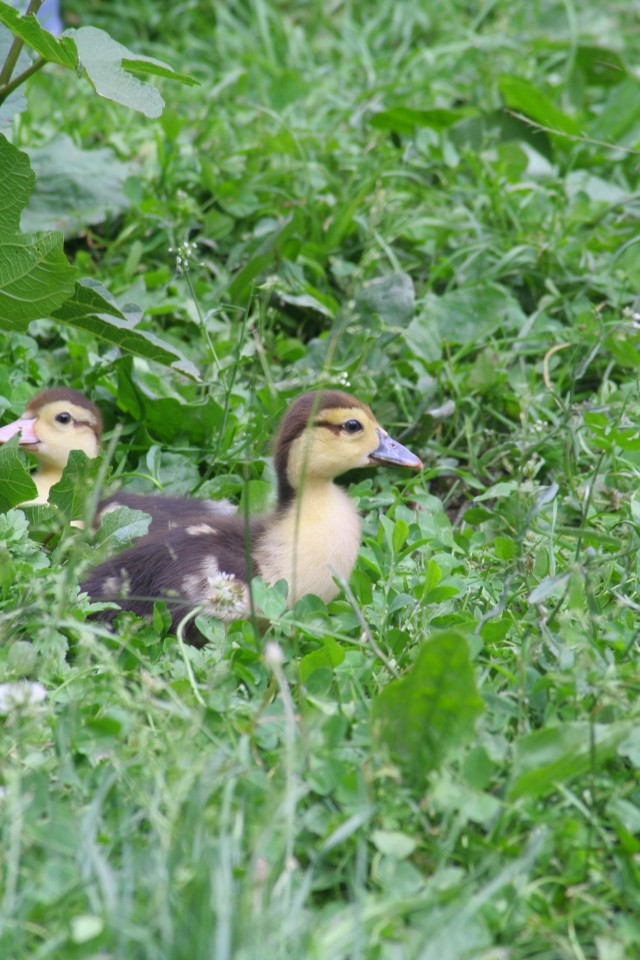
(58, 420)
(314, 530)
(55, 422)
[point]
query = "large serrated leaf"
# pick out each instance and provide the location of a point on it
(119, 527)
(16, 485)
(92, 308)
(431, 710)
(71, 492)
(28, 28)
(16, 184)
(35, 278)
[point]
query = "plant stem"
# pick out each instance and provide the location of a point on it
(8, 88)
(213, 356)
(16, 47)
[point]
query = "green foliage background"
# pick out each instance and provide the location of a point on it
(438, 207)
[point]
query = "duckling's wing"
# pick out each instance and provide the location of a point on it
(167, 512)
(199, 565)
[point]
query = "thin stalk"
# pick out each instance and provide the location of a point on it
(7, 89)
(185, 656)
(17, 45)
(203, 325)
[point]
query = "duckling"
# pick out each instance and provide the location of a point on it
(58, 420)
(313, 532)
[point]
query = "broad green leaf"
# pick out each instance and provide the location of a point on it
(431, 710)
(405, 120)
(601, 65)
(16, 485)
(581, 182)
(307, 301)
(556, 754)
(259, 494)
(264, 257)
(548, 587)
(433, 576)
(330, 655)
(119, 527)
(35, 278)
(499, 490)
(92, 308)
(393, 843)
(61, 51)
(468, 314)
(107, 64)
(422, 337)
(74, 187)
(16, 184)
(392, 298)
(176, 473)
(524, 97)
(269, 600)
(400, 534)
(71, 492)
(620, 114)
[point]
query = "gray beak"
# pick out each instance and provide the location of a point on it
(391, 452)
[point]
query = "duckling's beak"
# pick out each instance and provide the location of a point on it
(391, 452)
(24, 428)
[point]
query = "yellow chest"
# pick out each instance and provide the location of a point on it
(318, 534)
(43, 480)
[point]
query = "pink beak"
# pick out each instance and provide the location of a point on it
(24, 428)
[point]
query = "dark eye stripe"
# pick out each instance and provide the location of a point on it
(334, 427)
(350, 426)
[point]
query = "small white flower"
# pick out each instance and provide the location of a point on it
(273, 654)
(20, 694)
(227, 595)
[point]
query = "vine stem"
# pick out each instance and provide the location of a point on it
(8, 88)
(16, 47)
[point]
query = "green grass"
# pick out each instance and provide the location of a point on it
(439, 207)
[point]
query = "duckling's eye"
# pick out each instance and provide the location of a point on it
(64, 418)
(352, 426)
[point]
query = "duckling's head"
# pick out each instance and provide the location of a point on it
(326, 433)
(55, 422)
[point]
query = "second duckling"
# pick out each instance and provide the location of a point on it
(313, 532)
(58, 420)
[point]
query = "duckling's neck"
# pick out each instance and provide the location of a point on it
(314, 533)
(44, 478)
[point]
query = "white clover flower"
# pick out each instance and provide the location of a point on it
(20, 694)
(227, 595)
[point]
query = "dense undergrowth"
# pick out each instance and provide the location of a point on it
(438, 211)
